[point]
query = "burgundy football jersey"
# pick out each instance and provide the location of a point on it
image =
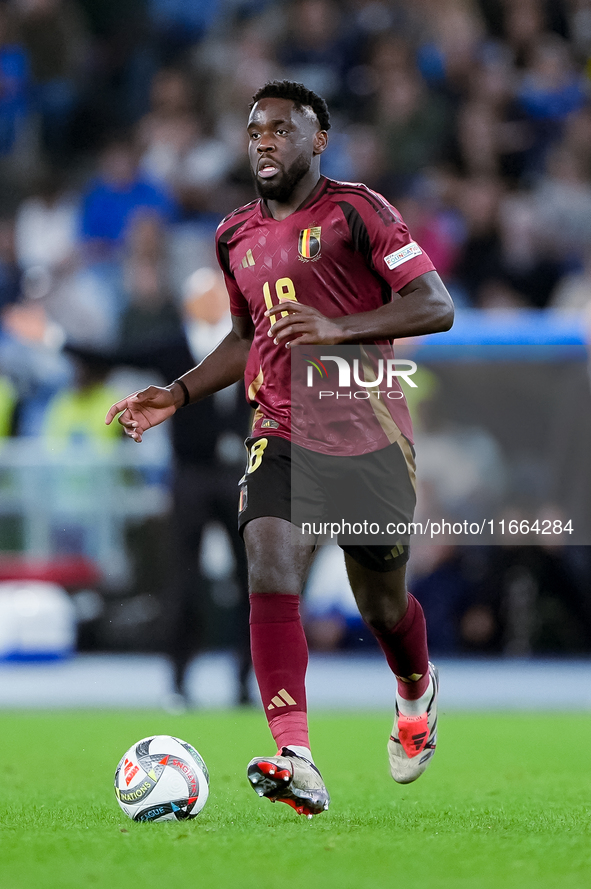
(343, 251)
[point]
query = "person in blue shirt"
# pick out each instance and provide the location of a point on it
(117, 194)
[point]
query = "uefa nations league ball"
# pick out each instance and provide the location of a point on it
(161, 779)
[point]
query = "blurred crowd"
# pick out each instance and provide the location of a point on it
(122, 145)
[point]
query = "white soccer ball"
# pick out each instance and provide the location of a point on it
(161, 779)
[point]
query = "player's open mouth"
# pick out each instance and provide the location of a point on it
(267, 170)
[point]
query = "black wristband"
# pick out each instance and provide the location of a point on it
(185, 390)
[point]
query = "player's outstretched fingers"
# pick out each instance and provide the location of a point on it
(117, 409)
(142, 410)
(126, 416)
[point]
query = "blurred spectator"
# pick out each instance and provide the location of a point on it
(481, 258)
(550, 90)
(562, 205)
(318, 47)
(507, 260)
(112, 199)
(449, 43)
(150, 311)
(30, 358)
(76, 414)
(366, 158)
(413, 126)
(493, 134)
(443, 581)
(54, 35)
(7, 407)
(73, 419)
(577, 137)
(85, 299)
(516, 600)
(46, 225)
(121, 61)
(14, 81)
(523, 24)
(177, 150)
(250, 53)
(532, 265)
(478, 137)
(536, 601)
(579, 15)
(10, 275)
(178, 24)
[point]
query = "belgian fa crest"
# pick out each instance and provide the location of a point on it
(309, 243)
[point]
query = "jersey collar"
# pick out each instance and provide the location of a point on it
(314, 195)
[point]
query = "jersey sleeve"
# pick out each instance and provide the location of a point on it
(381, 233)
(238, 303)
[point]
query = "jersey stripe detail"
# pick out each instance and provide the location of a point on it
(358, 231)
(223, 247)
(390, 429)
(385, 211)
(362, 243)
(406, 449)
(244, 209)
(361, 190)
(255, 385)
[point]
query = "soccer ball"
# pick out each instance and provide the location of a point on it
(161, 779)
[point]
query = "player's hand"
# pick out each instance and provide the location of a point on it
(142, 410)
(303, 325)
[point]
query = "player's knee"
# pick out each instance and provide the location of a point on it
(275, 565)
(383, 614)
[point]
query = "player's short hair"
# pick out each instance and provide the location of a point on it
(296, 93)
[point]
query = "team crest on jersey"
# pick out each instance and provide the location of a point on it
(309, 243)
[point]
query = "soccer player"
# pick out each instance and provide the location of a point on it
(314, 262)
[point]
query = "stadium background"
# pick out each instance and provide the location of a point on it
(122, 146)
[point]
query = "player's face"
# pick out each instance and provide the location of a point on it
(282, 143)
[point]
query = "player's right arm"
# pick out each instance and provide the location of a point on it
(222, 367)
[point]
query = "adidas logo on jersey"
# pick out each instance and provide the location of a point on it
(248, 259)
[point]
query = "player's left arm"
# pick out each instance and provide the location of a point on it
(425, 306)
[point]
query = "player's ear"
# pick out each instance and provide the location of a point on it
(320, 141)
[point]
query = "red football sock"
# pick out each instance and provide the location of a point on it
(290, 729)
(405, 647)
(280, 659)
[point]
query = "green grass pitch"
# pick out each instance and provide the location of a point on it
(506, 803)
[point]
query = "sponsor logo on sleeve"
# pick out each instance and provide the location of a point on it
(403, 255)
